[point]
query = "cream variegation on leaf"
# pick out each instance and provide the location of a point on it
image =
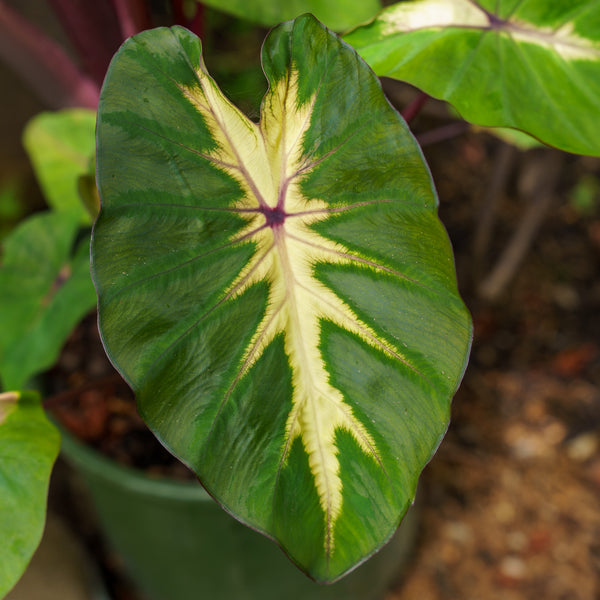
(240, 280)
(532, 65)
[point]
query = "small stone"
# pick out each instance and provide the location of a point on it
(458, 532)
(565, 296)
(583, 447)
(555, 433)
(512, 570)
(504, 512)
(516, 541)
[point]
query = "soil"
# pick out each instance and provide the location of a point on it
(510, 501)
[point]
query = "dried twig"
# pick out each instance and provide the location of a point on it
(486, 219)
(546, 177)
(443, 133)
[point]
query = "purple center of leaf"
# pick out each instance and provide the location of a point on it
(274, 216)
(495, 21)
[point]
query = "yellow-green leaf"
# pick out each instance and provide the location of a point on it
(532, 65)
(29, 445)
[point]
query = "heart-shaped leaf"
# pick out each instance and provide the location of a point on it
(280, 295)
(29, 445)
(61, 146)
(339, 15)
(532, 65)
(45, 289)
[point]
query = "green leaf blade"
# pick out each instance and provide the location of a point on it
(29, 445)
(237, 302)
(45, 289)
(532, 65)
(61, 148)
(339, 15)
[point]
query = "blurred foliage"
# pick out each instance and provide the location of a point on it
(585, 195)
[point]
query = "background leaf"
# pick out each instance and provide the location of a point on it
(45, 289)
(280, 295)
(61, 146)
(532, 65)
(29, 445)
(339, 15)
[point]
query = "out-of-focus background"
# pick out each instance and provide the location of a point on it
(509, 506)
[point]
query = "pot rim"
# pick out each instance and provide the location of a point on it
(77, 453)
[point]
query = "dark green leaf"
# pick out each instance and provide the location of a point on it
(280, 295)
(45, 289)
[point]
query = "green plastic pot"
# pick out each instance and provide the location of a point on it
(178, 544)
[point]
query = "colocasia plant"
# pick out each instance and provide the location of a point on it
(280, 294)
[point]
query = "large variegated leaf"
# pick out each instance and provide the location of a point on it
(29, 445)
(529, 64)
(340, 15)
(280, 295)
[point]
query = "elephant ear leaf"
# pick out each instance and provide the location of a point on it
(281, 295)
(339, 15)
(30, 445)
(531, 65)
(45, 290)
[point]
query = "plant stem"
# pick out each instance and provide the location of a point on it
(547, 175)
(192, 18)
(505, 158)
(132, 15)
(414, 108)
(42, 64)
(93, 29)
(443, 133)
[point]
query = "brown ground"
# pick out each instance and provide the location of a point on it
(511, 500)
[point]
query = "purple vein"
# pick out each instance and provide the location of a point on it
(338, 209)
(363, 328)
(315, 163)
(252, 352)
(187, 262)
(207, 157)
(359, 259)
(285, 156)
(241, 167)
(206, 313)
(228, 209)
(514, 9)
(574, 14)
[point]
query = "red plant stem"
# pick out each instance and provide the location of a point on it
(132, 15)
(414, 107)
(443, 133)
(94, 31)
(194, 22)
(42, 64)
